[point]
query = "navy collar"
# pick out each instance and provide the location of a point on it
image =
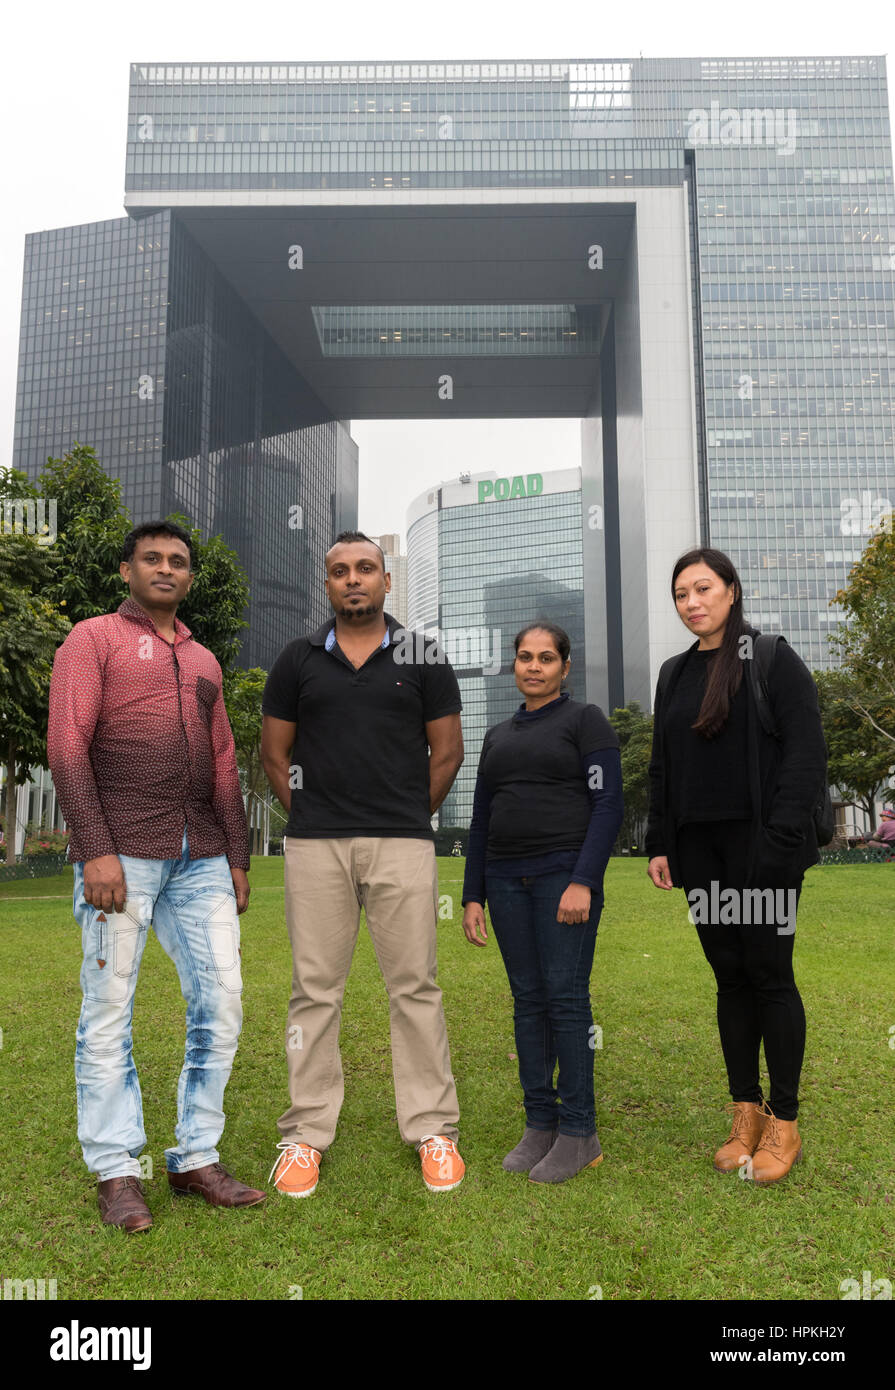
(522, 713)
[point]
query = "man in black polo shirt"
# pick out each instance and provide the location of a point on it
(361, 743)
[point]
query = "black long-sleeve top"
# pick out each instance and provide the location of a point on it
(708, 779)
(548, 797)
(784, 773)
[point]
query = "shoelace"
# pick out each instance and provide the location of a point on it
(739, 1122)
(771, 1138)
(437, 1147)
(297, 1153)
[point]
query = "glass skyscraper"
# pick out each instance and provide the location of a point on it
(695, 257)
(487, 555)
(133, 341)
(795, 230)
(92, 350)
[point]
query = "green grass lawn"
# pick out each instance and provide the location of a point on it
(654, 1221)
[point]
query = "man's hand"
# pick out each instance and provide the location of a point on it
(104, 883)
(241, 889)
(474, 924)
(574, 905)
(659, 872)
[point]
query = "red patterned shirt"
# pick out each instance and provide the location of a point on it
(139, 743)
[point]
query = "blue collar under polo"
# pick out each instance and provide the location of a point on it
(331, 639)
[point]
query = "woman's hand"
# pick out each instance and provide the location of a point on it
(659, 872)
(574, 905)
(474, 924)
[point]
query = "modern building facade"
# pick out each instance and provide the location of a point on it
(396, 565)
(486, 555)
(794, 227)
(134, 342)
(692, 256)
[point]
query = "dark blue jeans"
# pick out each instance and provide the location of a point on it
(548, 964)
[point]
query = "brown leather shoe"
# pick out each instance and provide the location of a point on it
(121, 1203)
(216, 1185)
(779, 1148)
(745, 1132)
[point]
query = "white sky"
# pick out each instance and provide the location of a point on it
(64, 113)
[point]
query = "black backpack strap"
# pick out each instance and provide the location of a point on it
(764, 649)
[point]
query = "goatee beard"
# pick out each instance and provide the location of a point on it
(349, 614)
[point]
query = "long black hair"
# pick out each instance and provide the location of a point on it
(726, 670)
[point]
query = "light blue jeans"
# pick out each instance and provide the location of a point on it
(192, 906)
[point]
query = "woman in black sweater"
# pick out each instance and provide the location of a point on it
(731, 821)
(546, 812)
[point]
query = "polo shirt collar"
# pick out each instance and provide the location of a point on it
(325, 635)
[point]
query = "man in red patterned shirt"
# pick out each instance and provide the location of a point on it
(143, 761)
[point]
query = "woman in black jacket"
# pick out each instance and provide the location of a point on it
(731, 821)
(546, 812)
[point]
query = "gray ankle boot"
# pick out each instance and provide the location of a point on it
(566, 1158)
(532, 1147)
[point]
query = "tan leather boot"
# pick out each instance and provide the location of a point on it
(779, 1148)
(745, 1132)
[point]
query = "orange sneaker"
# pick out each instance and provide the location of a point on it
(297, 1169)
(443, 1168)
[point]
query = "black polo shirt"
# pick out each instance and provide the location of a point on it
(361, 755)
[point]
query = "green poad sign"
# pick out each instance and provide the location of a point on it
(501, 489)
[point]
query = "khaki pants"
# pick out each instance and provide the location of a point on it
(396, 882)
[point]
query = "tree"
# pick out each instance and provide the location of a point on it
(15, 489)
(635, 734)
(31, 628)
(865, 642)
(860, 758)
(214, 607)
(72, 574)
(242, 696)
(92, 524)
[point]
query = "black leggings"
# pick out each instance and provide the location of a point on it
(757, 995)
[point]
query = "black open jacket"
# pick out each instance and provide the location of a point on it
(785, 773)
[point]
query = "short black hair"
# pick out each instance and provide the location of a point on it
(156, 528)
(351, 537)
